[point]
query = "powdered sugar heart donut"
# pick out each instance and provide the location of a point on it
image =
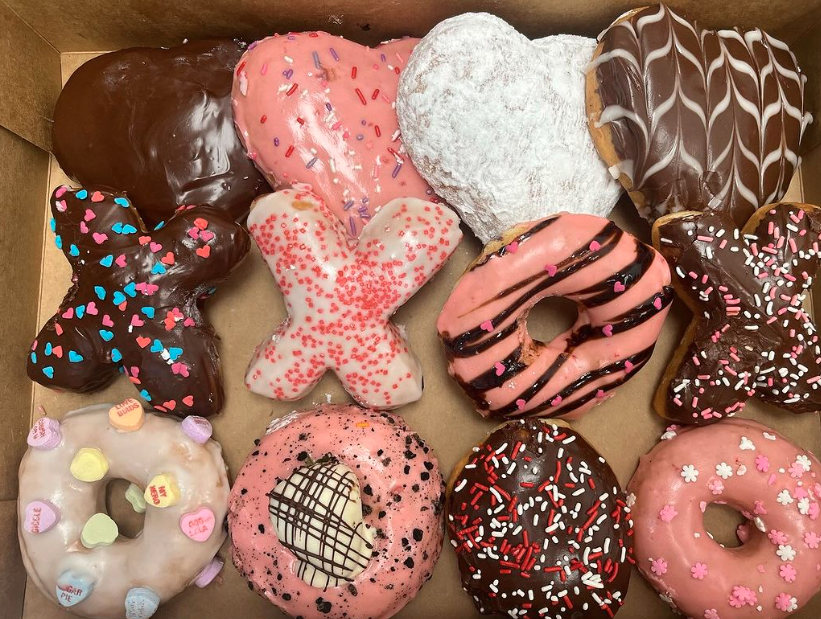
(775, 485)
(318, 109)
(496, 123)
(340, 298)
(338, 513)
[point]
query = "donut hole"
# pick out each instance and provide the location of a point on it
(551, 317)
(129, 522)
(722, 521)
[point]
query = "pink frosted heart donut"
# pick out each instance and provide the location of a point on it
(338, 513)
(621, 287)
(317, 109)
(771, 481)
(73, 551)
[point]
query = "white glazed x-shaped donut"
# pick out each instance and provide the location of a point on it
(340, 298)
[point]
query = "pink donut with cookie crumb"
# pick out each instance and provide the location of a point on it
(771, 481)
(338, 513)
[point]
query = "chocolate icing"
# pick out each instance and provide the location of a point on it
(157, 125)
(133, 304)
(571, 556)
(696, 117)
(751, 335)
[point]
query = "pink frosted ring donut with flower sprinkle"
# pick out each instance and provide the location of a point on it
(771, 481)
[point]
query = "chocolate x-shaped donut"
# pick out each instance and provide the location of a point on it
(750, 335)
(133, 304)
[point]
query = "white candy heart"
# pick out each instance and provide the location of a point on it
(496, 123)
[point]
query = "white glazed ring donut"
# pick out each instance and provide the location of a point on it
(72, 550)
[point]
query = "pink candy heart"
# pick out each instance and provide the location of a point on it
(551, 270)
(40, 516)
(198, 525)
(608, 330)
(120, 260)
(44, 434)
(83, 227)
(180, 368)
(91, 308)
(486, 326)
(107, 322)
(89, 215)
(345, 142)
(136, 321)
(155, 247)
(69, 313)
(618, 287)
(99, 238)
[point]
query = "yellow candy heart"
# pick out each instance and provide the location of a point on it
(162, 491)
(135, 496)
(99, 530)
(89, 464)
(127, 416)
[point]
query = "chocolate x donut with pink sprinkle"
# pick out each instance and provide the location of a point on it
(750, 336)
(133, 304)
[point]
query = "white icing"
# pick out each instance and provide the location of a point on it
(317, 515)
(496, 123)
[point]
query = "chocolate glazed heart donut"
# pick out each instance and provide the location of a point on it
(621, 287)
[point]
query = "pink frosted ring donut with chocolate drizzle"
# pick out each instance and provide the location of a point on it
(771, 481)
(621, 288)
(338, 513)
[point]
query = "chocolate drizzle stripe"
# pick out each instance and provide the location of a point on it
(605, 291)
(519, 239)
(465, 345)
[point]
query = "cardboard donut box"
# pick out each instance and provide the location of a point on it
(42, 42)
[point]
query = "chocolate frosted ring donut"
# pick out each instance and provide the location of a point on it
(773, 482)
(338, 513)
(540, 525)
(74, 553)
(621, 287)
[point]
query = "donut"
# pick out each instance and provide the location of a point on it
(338, 513)
(133, 304)
(72, 549)
(495, 123)
(690, 119)
(156, 124)
(755, 470)
(340, 296)
(619, 284)
(540, 524)
(316, 109)
(749, 336)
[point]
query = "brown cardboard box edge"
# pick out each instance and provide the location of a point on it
(249, 306)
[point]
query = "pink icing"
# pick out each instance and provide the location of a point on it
(601, 349)
(318, 109)
(340, 298)
(774, 569)
(402, 493)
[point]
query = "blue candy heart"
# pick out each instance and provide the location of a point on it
(129, 229)
(118, 298)
(156, 346)
(80, 310)
(148, 311)
(48, 348)
(52, 224)
(173, 353)
(121, 201)
(74, 357)
(100, 292)
(107, 261)
(73, 587)
(159, 225)
(73, 251)
(58, 241)
(48, 371)
(118, 227)
(34, 357)
(81, 195)
(116, 355)
(106, 335)
(145, 395)
(158, 269)
(131, 289)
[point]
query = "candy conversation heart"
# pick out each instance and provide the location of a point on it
(690, 118)
(99, 530)
(40, 516)
(73, 588)
(131, 308)
(44, 434)
(750, 335)
(354, 290)
(495, 123)
(156, 124)
(317, 109)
